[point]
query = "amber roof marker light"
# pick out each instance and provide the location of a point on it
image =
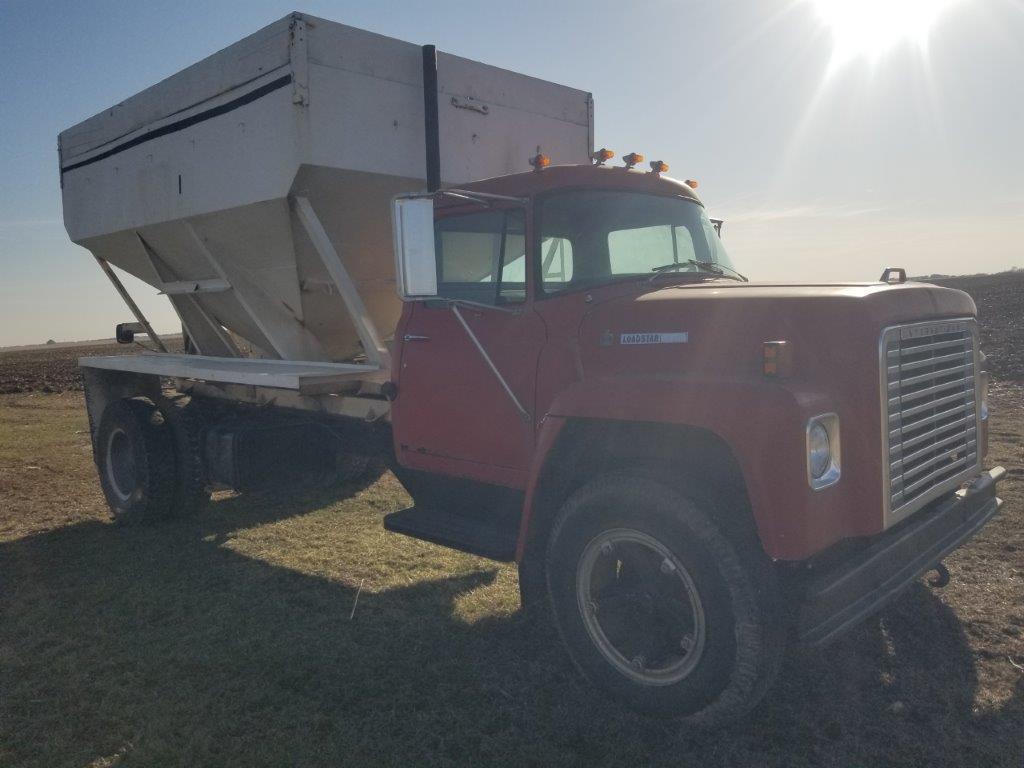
(777, 360)
(540, 161)
(602, 156)
(658, 166)
(633, 158)
(691, 183)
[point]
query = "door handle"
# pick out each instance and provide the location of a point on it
(412, 337)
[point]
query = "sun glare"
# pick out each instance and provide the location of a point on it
(869, 28)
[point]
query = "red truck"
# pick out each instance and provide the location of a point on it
(690, 469)
(693, 466)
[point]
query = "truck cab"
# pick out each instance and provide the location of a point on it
(584, 382)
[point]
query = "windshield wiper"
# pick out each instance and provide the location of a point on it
(706, 267)
(725, 268)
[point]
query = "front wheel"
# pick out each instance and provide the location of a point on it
(656, 606)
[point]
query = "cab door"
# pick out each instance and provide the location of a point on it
(452, 413)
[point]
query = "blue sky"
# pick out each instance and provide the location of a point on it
(826, 165)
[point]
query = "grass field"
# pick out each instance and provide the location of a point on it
(294, 631)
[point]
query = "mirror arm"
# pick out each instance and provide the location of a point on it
(523, 413)
(450, 303)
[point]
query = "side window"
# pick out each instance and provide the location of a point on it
(555, 261)
(481, 257)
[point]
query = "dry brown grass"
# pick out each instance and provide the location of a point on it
(225, 639)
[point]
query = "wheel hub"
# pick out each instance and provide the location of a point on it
(640, 607)
(121, 470)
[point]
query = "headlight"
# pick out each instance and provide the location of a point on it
(818, 452)
(823, 451)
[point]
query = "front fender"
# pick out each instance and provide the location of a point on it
(763, 423)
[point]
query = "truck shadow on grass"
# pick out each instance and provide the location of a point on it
(161, 646)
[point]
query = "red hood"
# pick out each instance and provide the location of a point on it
(727, 322)
(881, 300)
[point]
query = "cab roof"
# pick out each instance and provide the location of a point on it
(583, 176)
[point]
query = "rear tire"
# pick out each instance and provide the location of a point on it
(655, 605)
(187, 421)
(348, 468)
(135, 458)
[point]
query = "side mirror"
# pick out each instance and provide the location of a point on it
(415, 261)
(124, 333)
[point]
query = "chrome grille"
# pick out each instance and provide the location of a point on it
(929, 412)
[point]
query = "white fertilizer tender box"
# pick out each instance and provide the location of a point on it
(254, 188)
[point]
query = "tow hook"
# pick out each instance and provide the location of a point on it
(941, 577)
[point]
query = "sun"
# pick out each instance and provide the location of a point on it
(869, 28)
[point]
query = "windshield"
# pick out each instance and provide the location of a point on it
(592, 236)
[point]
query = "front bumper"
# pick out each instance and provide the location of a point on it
(846, 592)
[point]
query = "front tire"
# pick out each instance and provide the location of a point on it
(656, 606)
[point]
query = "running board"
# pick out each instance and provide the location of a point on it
(489, 535)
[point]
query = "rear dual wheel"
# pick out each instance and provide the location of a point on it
(187, 420)
(135, 459)
(150, 459)
(656, 606)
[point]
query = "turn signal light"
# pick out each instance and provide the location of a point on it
(633, 158)
(659, 166)
(691, 183)
(778, 359)
(602, 156)
(540, 161)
